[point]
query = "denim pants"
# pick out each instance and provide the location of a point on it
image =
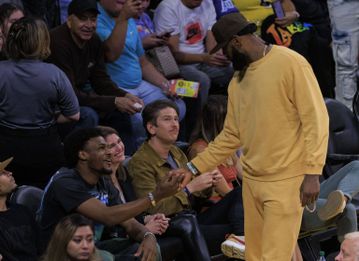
(120, 121)
(149, 93)
(344, 16)
(347, 180)
(207, 76)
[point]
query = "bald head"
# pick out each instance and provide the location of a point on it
(349, 249)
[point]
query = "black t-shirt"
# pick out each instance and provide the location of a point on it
(19, 234)
(65, 192)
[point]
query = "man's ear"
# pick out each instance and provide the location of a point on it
(236, 41)
(69, 21)
(151, 128)
(82, 155)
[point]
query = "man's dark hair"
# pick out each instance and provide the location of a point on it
(76, 141)
(6, 10)
(151, 111)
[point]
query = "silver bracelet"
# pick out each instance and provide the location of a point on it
(148, 233)
(313, 209)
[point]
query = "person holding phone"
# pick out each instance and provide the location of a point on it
(146, 29)
(285, 12)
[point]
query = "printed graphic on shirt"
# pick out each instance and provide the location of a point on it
(226, 5)
(193, 32)
(283, 36)
(103, 197)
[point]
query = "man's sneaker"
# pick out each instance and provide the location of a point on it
(334, 206)
(233, 247)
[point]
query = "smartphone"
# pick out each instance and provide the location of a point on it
(278, 9)
(164, 35)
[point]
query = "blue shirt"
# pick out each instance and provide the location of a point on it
(64, 4)
(126, 71)
(31, 92)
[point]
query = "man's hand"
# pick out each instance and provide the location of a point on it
(216, 59)
(309, 190)
(168, 186)
(201, 182)
(135, 99)
(165, 87)
(147, 249)
(187, 175)
(157, 223)
(127, 104)
(130, 9)
(151, 41)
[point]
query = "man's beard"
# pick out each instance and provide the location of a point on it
(240, 60)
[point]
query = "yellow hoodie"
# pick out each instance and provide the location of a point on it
(277, 115)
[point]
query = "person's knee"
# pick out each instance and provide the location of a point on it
(354, 165)
(186, 223)
(88, 117)
(181, 108)
(350, 210)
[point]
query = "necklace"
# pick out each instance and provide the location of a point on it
(265, 50)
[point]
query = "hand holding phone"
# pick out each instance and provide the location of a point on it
(164, 34)
(278, 9)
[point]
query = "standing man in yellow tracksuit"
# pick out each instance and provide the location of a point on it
(277, 115)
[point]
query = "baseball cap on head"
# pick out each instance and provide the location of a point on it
(228, 26)
(77, 7)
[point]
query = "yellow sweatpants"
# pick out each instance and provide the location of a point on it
(272, 217)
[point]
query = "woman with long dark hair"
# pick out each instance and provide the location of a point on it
(72, 240)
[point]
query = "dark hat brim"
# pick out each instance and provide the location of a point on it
(249, 29)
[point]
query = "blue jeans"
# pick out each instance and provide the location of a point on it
(207, 76)
(149, 93)
(346, 180)
(344, 16)
(120, 121)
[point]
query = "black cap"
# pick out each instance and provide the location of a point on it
(80, 6)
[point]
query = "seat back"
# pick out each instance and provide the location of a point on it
(343, 134)
(28, 196)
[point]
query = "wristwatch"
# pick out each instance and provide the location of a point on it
(192, 168)
(152, 199)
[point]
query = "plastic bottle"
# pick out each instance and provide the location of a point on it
(321, 256)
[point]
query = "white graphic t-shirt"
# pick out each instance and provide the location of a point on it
(191, 24)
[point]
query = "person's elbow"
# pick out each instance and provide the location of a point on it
(111, 57)
(111, 53)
